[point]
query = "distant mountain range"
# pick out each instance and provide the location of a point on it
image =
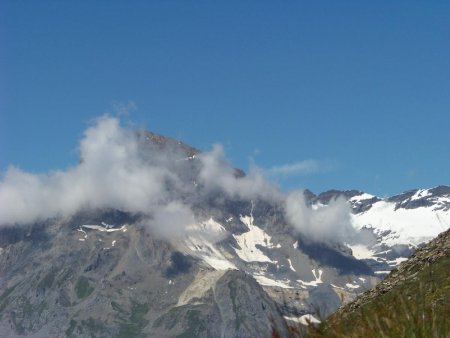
(240, 270)
(400, 223)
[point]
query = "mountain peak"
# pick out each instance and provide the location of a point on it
(167, 142)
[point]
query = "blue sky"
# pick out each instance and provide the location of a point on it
(352, 94)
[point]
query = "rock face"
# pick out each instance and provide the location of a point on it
(240, 303)
(239, 270)
(125, 283)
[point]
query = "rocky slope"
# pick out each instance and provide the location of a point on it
(124, 283)
(413, 300)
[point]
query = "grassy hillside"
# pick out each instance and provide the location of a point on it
(413, 301)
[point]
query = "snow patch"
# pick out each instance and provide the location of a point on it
(361, 197)
(361, 251)
(263, 280)
(290, 264)
(317, 276)
(397, 261)
(84, 232)
(249, 240)
(337, 287)
(421, 193)
(201, 240)
(351, 286)
(304, 320)
(102, 228)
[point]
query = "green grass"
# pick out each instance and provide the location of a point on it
(133, 326)
(83, 287)
(418, 306)
(190, 316)
(195, 324)
(171, 318)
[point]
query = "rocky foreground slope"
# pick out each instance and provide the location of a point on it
(413, 300)
(212, 257)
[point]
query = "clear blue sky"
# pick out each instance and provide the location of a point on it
(360, 87)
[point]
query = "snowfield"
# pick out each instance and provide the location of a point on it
(248, 241)
(406, 226)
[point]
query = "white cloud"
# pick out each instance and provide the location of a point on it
(171, 219)
(121, 169)
(330, 223)
(216, 173)
(111, 174)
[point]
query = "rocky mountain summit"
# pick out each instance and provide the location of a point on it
(189, 246)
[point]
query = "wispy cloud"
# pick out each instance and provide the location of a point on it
(297, 168)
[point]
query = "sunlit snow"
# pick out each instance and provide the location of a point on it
(290, 264)
(263, 280)
(248, 241)
(317, 276)
(407, 226)
(201, 241)
(304, 320)
(362, 197)
(102, 228)
(362, 252)
(351, 286)
(337, 287)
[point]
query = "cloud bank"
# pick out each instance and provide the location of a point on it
(123, 169)
(111, 174)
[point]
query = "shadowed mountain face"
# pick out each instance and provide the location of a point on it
(325, 255)
(235, 267)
